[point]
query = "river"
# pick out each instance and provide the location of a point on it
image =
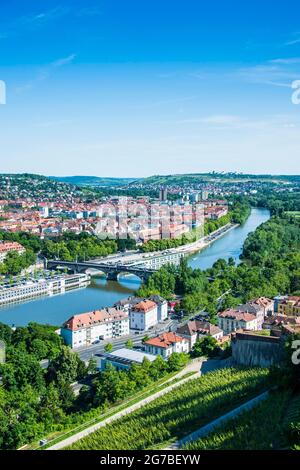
(55, 310)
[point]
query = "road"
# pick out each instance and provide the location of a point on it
(88, 352)
(192, 367)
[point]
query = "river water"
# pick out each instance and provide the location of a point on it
(55, 310)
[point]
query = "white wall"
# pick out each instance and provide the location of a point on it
(107, 330)
(163, 311)
(143, 321)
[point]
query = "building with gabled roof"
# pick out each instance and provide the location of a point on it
(143, 315)
(289, 306)
(195, 329)
(167, 343)
(232, 320)
(87, 328)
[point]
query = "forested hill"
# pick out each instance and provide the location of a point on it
(195, 178)
(26, 185)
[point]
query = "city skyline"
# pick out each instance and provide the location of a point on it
(108, 89)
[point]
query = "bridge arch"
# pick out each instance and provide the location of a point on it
(125, 274)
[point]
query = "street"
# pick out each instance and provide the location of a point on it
(88, 352)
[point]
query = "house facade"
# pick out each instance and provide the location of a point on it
(289, 306)
(166, 344)
(232, 320)
(260, 307)
(87, 328)
(197, 329)
(7, 247)
(162, 307)
(143, 315)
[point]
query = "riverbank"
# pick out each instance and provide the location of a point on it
(206, 241)
(100, 293)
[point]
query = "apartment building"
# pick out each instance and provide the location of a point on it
(162, 307)
(260, 307)
(289, 306)
(87, 328)
(143, 315)
(232, 320)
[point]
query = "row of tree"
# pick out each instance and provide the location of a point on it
(270, 266)
(68, 247)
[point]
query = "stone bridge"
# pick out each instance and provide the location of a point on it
(111, 271)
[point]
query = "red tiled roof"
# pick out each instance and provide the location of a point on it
(294, 300)
(9, 246)
(262, 301)
(165, 340)
(145, 306)
(84, 320)
(234, 315)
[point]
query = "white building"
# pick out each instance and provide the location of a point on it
(143, 315)
(87, 328)
(260, 307)
(166, 344)
(44, 211)
(124, 358)
(162, 307)
(232, 320)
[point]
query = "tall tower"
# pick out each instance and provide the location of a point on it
(163, 194)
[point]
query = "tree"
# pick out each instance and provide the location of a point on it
(177, 361)
(39, 348)
(5, 333)
(158, 368)
(92, 365)
(204, 347)
(129, 344)
(108, 347)
(66, 367)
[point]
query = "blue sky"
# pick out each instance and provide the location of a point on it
(134, 88)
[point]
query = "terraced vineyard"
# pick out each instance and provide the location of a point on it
(267, 426)
(180, 411)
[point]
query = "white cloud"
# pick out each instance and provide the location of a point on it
(64, 61)
(276, 74)
(293, 42)
(26, 23)
(45, 73)
(294, 39)
(235, 122)
(286, 61)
